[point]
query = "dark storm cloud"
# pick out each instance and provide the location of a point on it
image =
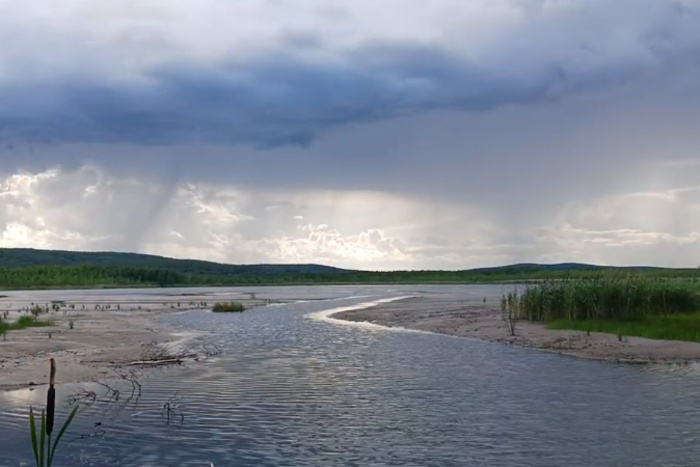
(280, 98)
(271, 102)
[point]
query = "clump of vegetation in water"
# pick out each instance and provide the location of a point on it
(627, 306)
(228, 307)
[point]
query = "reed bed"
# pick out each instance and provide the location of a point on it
(604, 298)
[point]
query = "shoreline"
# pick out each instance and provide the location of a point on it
(482, 321)
(112, 335)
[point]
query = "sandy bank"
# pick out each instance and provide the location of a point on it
(107, 335)
(455, 317)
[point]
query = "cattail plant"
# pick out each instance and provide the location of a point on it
(44, 451)
(509, 311)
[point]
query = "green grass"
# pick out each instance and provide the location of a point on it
(682, 327)
(228, 307)
(22, 323)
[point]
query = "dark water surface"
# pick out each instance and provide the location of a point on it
(292, 389)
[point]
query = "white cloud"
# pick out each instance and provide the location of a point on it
(653, 228)
(88, 209)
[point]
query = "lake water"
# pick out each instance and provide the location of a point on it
(290, 388)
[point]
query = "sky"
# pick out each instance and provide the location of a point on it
(447, 134)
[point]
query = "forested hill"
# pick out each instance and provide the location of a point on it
(31, 268)
(12, 257)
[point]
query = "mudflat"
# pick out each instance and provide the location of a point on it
(478, 320)
(106, 335)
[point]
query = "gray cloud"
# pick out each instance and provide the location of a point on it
(302, 87)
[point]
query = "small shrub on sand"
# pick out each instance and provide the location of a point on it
(228, 307)
(36, 311)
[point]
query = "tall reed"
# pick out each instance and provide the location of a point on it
(604, 298)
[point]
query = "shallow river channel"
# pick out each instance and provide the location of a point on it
(286, 386)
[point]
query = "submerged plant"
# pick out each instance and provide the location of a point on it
(44, 450)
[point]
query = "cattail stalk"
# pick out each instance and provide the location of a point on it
(51, 400)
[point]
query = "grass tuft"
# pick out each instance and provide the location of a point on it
(228, 307)
(22, 323)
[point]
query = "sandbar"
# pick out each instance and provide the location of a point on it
(477, 319)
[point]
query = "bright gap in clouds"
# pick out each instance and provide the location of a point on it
(86, 209)
(375, 135)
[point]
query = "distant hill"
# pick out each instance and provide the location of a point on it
(17, 257)
(536, 267)
(523, 267)
(14, 257)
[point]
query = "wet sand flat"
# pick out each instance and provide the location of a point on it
(107, 335)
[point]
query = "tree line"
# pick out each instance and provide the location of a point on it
(12, 277)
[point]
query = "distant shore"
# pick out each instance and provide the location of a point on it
(478, 320)
(281, 283)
